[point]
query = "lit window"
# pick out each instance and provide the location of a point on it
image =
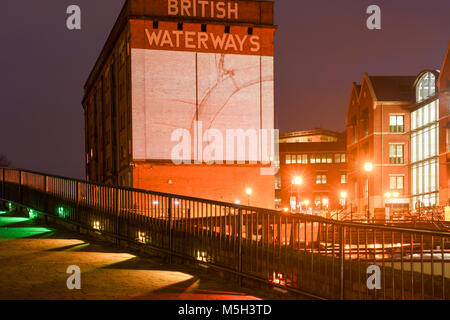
(426, 87)
(321, 179)
(396, 182)
(448, 140)
(288, 159)
(305, 159)
(277, 182)
(344, 178)
(293, 159)
(340, 158)
(396, 124)
(396, 153)
(337, 158)
(329, 158)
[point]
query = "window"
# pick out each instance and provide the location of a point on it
(396, 182)
(302, 159)
(396, 124)
(448, 140)
(277, 182)
(321, 200)
(155, 24)
(365, 127)
(396, 153)
(326, 158)
(250, 31)
(321, 179)
(227, 29)
(204, 28)
(288, 159)
(315, 158)
(340, 158)
(344, 178)
(180, 26)
(426, 87)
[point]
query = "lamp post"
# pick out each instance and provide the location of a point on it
(249, 192)
(344, 196)
(368, 167)
(298, 182)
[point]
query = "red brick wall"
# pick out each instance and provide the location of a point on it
(220, 183)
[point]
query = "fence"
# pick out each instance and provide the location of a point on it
(320, 257)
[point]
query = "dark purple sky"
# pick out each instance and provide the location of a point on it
(322, 46)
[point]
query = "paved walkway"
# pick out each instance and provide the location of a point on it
(34, 259)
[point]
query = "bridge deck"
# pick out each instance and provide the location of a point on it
(34, 259)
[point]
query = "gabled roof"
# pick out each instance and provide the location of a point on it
(393, 88)
(307, 133)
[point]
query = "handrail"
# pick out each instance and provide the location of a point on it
(307, 217)
(278, 248)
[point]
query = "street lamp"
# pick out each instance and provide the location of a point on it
(368, 167)
(298, 181)
(344, 196)
(249, 192)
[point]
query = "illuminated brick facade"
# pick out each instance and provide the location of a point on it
(400, 125)
(318, 158)
(378, 123)
(194, 66)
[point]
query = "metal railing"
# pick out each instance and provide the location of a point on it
(320, 257)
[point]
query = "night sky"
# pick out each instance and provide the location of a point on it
(322, 46)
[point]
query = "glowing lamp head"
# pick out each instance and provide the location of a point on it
(237, 202)
(285, 209)
(306, 202)
(344, 195)
(396, 194)
(368, 166)
(249, 191)
(297, 181)
(388, 195)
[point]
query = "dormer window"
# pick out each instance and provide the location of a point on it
(426, 87)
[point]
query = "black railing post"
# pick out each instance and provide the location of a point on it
(77, 205)
(117, 209)
(241, 222)
(342, 260)
(170, 230)
(20, 187)
(46, 197)
(3, 184)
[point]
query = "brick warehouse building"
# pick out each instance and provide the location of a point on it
(313, 171)
(378, 123)
(399, 124)
(169, 72)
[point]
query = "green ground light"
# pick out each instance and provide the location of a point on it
(62, 212)
(32, 214)
(7, 221)
(9, 231)
(17, 233)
